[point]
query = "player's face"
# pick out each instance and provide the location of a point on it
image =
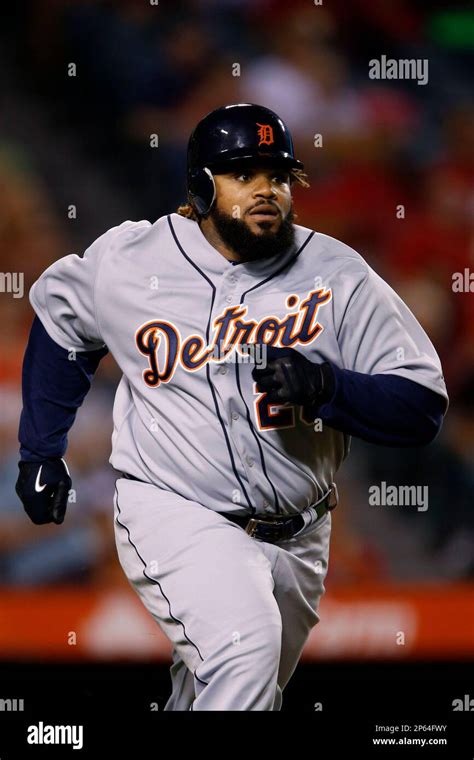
(252, 217)
(260, 197)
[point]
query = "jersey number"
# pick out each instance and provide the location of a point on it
(271, 416)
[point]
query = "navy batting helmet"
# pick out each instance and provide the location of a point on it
(233, 135)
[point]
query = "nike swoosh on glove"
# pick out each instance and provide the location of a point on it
(289, 377)
(43, 487)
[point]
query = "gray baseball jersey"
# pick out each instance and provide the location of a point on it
(190, 421)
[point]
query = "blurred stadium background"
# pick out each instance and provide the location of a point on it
(84, 141)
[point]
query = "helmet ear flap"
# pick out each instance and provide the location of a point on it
(202, 190)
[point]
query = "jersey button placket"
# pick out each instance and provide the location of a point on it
(232, 280)
(237, 433)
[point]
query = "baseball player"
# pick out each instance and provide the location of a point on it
(252, 349)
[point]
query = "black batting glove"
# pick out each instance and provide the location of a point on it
(290, 378)
(43, 487)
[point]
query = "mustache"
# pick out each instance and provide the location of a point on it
(263, 203)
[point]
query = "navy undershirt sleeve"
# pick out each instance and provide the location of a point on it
(384, 409)
(54, 386)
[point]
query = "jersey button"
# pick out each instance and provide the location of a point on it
(224, 370)
(250, 462)
(235, 416)
(229, 298)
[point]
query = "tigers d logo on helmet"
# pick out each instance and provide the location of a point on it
(229, 135)
(265, 134)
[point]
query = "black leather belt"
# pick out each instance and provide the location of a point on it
(273, 528)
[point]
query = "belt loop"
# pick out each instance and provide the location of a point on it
(333, 499)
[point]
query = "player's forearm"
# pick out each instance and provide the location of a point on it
(384, 409)
(54, 385)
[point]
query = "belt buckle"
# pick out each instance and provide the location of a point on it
(252, 525)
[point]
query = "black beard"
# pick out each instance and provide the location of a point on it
(248, 246)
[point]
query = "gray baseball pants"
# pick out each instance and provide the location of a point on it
(237, 610)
